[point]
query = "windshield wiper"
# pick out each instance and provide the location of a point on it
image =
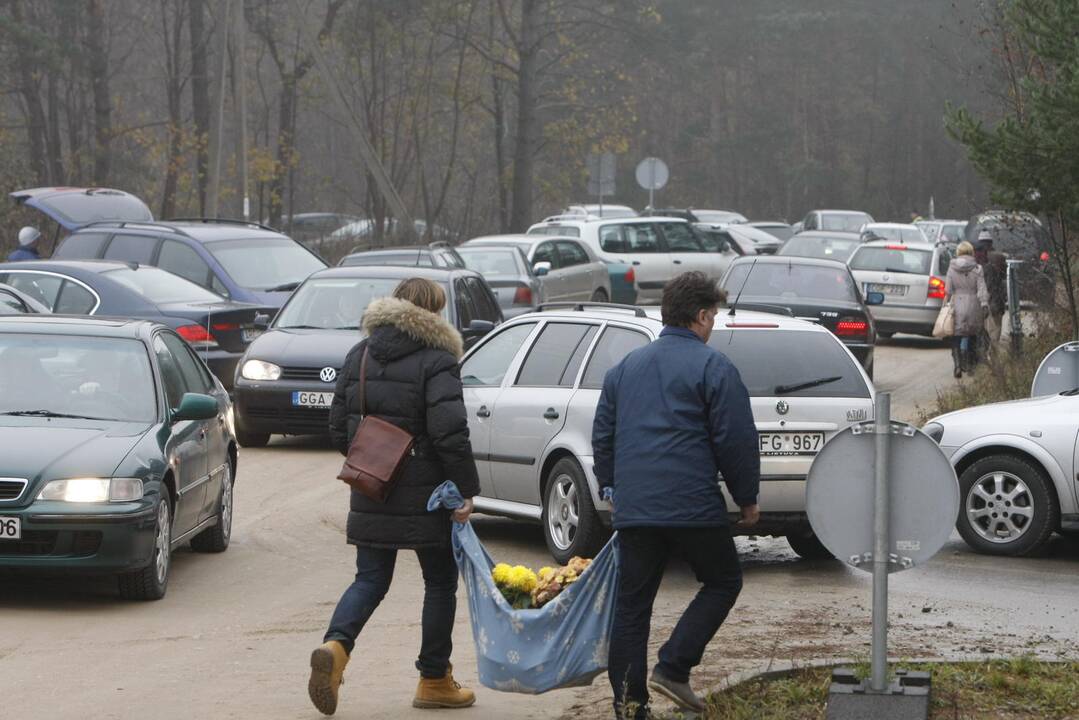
(785, 389)
(285, 287)
(299, 327)
(50, 414)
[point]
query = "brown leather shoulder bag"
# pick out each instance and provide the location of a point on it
(378, 451)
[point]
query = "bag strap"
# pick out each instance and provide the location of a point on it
(363, 384)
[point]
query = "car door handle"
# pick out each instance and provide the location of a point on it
(551, 414)
(483, 412)
(677, 262)
(636, 262)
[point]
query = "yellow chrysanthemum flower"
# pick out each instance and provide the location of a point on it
(546, 573)
(501, 573)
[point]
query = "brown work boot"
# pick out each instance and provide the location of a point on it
(445, 692)
(327, 665)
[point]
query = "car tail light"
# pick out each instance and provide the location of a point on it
(523, 296)
(851, 327)
(895, 247)
(225, 327)
(196, 335)
(936, 288)
(1045, 257)
(631, 277)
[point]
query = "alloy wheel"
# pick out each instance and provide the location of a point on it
(226, 501)
(163, 542)
(1000, 507)
(562, 511)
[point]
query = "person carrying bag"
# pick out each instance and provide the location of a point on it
(398, 414)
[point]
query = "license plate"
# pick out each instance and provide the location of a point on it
(10, 528)
(886, 289)
(249, 334)
(312, 399)
(790, 443)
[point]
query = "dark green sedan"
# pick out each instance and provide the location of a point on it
(116, 446)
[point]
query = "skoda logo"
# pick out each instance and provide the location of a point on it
(328, 374)
(782, 407)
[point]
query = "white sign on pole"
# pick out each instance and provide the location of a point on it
(652, 174)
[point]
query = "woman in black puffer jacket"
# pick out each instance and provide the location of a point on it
(414, 382)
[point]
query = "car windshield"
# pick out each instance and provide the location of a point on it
(771, 359)
(952, 233)
(77, 376)
(893, 260)
(160, 286)
(411, 258)
(893, 234)
(564, 231)
(333, 303)
(491, 263)
(820, 247)
(790, 280)
(718, 217)
(844, 222)
(266, 262)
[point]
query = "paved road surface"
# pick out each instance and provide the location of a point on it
(232, 637)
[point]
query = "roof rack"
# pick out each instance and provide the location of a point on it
(580, 306)
(151, 224)
(223, 221)
(579, 217)
(764, 308)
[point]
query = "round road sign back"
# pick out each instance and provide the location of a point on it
(652, 173)
(1059, 371)
(923, 497)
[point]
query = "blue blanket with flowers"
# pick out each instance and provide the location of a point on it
(562, 644)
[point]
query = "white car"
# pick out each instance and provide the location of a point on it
(900, 233)
(658, 248)
(1017, 464)
(531, 389)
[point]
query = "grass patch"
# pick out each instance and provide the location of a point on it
(1003, 376)
(1018, 689)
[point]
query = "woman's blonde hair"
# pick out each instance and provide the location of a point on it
(422, 293)
(965, 248)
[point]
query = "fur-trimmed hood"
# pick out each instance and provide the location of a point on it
(422, 326)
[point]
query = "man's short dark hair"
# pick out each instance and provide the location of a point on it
(686, 295)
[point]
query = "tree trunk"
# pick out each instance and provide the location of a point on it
(286, 131)
(98, 68)
(526, 139)
(30, 90)
(200, 93)
(53, 145)
(500, 154)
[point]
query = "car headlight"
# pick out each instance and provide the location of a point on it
(93, 490)
(935, 431)
(260, 370)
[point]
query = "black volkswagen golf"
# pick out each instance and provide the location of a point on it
(821, 291)
(285, 380)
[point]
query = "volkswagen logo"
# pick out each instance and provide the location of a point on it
(328, 374)
(782, 407)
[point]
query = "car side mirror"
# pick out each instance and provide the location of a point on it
(262, 321)
(541, 268)
(874, 298)
(479, 328)
(195, 406)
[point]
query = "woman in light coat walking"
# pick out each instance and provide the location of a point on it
(965, 289)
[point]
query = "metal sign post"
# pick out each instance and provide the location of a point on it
(601, 176)
(882, 497)
(882, 430)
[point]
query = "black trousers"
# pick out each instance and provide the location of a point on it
(643, 556)
(374, 571)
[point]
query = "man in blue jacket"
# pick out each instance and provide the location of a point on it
(672, 416)
(27, 250)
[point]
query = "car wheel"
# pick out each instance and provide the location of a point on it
(808, 547)
(1007, 507)
(150, 582)
(216, 539)
(571, 525)
(251, 440)
(600, 296)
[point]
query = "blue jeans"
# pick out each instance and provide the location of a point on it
(642, 556)
(374, 571)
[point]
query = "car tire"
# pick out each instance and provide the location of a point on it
(808, 547)
(990, 491)
(216, 539)
(566, 492)
(151, 582)
(251, 440)
(600, 296)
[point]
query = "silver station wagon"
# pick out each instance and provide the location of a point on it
(532, 386)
